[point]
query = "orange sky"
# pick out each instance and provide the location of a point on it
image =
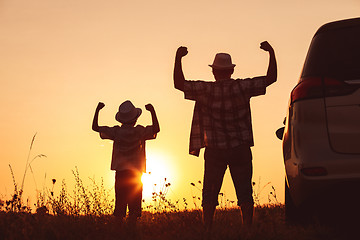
(59, 58)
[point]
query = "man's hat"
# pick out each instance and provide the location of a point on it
(127, 112)
(222, 61)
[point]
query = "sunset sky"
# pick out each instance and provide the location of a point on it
(58, 59)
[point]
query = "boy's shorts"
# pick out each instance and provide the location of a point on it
(239, 160)
(128, 193)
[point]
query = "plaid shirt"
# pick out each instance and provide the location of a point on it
(129, 146)
(222, 117)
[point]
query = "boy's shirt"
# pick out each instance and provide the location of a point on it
(222, 117)
(129, 146)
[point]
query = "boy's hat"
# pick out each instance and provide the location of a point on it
(127, 112)
(222, 61)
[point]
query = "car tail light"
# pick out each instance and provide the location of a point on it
(314, 171)
(316, 87)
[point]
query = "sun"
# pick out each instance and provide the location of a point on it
(158, 172)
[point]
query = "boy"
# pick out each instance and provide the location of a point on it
(128, 155)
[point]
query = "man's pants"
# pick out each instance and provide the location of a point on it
(239, 160)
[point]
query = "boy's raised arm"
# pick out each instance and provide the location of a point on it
(155, 122)
(95, 124)
(179, 78)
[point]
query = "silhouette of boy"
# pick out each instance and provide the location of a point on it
(222, 124)
(128, 155)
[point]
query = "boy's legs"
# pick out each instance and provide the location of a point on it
(121, 192)
(135, 197)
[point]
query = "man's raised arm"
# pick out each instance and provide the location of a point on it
(271, 75)
(179, 78)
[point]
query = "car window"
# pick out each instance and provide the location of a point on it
(335, 54)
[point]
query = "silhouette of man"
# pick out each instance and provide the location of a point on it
(222, 124)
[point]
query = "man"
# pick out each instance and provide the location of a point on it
(222, 124)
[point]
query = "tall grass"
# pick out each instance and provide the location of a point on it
(159, 201)
(93, 200)
(15, 204)
(96, 200)
(85, 212)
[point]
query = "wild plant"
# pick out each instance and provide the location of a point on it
(185, 204)
(272, 197)
(102, 204)
(61, 204)
(81, 197)
(95, 201)
(257, 193)
(226, 203)
(160, 202)
(28, 165)
(15, 204)
(196, 199)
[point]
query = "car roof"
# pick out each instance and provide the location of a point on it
(352, 22)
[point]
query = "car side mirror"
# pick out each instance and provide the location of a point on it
(280, 132)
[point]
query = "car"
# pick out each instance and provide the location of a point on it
(321, 133)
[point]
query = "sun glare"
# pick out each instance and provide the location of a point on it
(157, 173)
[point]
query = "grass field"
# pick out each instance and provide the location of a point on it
(85, 212)
(268, 224)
